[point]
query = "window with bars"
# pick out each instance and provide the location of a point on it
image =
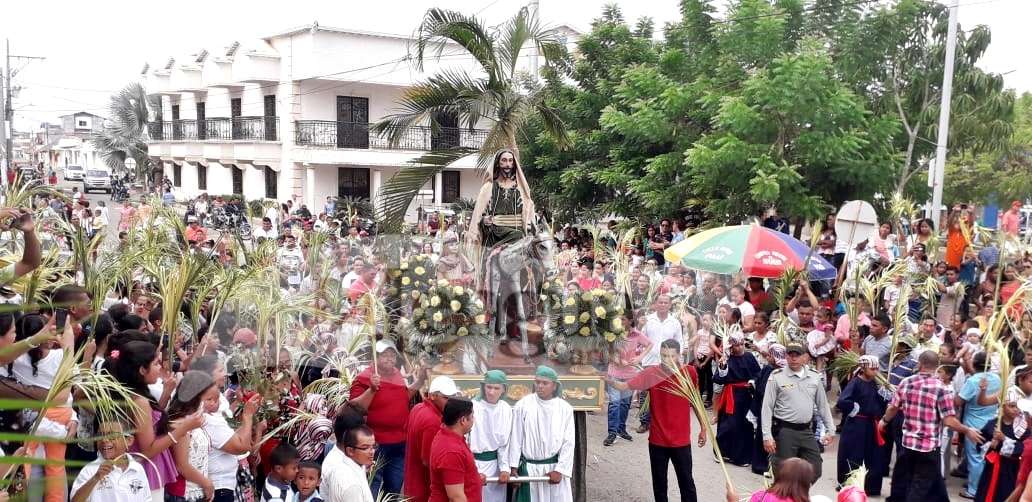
(450, 187)
(202, 176)
(177, 175)
(353, 182)
(270, 182)
(238, 179)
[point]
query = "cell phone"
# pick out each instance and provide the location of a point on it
(61, 318)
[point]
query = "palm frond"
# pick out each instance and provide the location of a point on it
(441, 26)
(396, 194)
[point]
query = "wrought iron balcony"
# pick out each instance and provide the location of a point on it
(216, 129)
(332, 134)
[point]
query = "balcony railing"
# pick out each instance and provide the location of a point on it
(328, 133)
(216, 129)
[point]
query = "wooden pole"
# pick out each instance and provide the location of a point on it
(580, 456)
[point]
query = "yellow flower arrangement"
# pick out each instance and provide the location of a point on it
(479, 319)
(462, 331)
(569, 319)
(438, 317)
(600, 312)
(458, 290)
(610, 337)
(405, 281)
(420, 271)
(584, 317)
(456, 305)
(415, 294)
(435, 301)
(585, 331)
(618, 324)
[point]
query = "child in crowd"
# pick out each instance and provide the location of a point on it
(283, 463)
(309, 475)
(114, 476)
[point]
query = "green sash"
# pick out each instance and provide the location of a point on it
(523, 492)
(486, 456)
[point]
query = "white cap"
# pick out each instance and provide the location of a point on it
(444, 385)
(382, 345)
(973, 331)
(191, 219)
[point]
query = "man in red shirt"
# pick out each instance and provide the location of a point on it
(424, 421)
(670, 435)
(383, 394)
(453, 470)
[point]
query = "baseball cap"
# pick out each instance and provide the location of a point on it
(191, 219)
(382, 345)
(794, 347)
(444, 385)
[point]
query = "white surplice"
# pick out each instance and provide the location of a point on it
(492, 427)
(541, 429)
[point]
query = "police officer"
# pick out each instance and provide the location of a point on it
(788, 409)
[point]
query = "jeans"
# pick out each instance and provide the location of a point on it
(619, 407)
(659, 456)
(224, 495)
(916, 477)
(391, 459)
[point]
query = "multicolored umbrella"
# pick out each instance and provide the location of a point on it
(756, 251)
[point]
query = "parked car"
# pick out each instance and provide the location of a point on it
(97, 179)
(74, 173)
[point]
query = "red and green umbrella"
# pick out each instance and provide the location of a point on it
(756, 251)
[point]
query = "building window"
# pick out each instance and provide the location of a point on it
(177, 175)
(353, 182)
(269, 117)
(238, 179)
(270, 182)
(202, 126)
(449, 187)
(82, 123)
(352, 122)
(202, 177)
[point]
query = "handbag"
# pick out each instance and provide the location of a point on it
(245, 483)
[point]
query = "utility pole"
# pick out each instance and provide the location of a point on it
(535, 10)
(937, 172)
(8, 108)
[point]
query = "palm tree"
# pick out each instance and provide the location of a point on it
(126, 136)
(498, 93)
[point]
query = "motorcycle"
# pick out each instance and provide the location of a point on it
(119, 189)
(229, 218)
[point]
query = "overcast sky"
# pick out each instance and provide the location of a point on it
(93, 48)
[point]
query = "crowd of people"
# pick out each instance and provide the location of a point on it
(226, 411)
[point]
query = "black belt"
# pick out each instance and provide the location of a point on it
(789, 425)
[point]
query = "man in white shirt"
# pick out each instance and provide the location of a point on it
(344, 477)
(351, 277)
(659, 326)
(113, 476)
(489, 439)
(291, 261)
(266, 231)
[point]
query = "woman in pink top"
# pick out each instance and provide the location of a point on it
(792, 482)
(125, 217)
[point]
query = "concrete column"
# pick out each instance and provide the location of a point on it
(377, 181)
(309, 196)
(438, 187)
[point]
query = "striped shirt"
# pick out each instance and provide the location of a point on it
(924, 402)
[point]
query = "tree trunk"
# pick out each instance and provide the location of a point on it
(799, 223)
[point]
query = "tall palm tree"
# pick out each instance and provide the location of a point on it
(126, 136)
(498, 93)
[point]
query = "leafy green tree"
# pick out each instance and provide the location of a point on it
(795, 138)
(995, 176)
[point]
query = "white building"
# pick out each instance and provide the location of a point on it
(289, 116)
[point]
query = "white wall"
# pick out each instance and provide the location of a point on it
(319, 98)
